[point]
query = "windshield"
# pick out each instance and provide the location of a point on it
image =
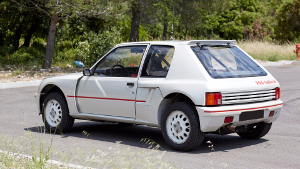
(227, 62)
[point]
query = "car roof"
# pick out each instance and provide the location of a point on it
(190, 43)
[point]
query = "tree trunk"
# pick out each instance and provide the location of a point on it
(17, 38)
(1, 39)
(50, 42)
(135, 23)
(165, 29)
(33, 27)
(185, 33)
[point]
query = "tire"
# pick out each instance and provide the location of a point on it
(256, 131)
(55, 114)
(181, 127)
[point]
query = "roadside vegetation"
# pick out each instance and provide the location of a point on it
(29, 151)
(269, 51)
(266, 29)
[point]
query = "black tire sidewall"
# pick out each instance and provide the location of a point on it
(195, 131)
(65, 121)
(262, 130)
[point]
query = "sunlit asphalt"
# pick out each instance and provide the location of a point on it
(279, 149)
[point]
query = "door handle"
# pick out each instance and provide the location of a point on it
(130, 84)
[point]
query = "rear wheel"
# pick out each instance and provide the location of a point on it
(181, 127)
(56, 114)
(256, 131)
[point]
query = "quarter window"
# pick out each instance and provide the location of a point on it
(158, 61)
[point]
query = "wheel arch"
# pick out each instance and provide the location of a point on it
(171, 98)
(49, 88)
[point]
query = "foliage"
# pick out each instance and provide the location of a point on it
(5, 51)
(26, 54)
(88, 29)
(97, 45)
(288, 16)
(244, 19)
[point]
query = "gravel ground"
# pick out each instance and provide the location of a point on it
(30, 75)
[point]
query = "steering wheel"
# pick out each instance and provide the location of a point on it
(117, 75)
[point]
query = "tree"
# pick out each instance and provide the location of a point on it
(63, 9)
(164, 14)
(288, 17)
(135, 22)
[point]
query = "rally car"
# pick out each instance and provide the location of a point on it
(186, 88)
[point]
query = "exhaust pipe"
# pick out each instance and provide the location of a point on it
(228, 129)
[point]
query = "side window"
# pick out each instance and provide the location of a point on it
(122, 62)
(158, 61)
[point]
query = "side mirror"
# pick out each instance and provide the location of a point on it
(86, 72)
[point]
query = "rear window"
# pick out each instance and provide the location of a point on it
(227, 62)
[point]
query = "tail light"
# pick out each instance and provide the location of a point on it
(271, 113)
(213, 99)
(228, 119)
(277, 93)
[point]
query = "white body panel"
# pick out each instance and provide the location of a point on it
(98, 95)
(145, 102)
(147, 112)
(67, 83)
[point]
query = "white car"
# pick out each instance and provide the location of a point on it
(187, 88)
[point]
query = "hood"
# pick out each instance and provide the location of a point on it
(67, 76)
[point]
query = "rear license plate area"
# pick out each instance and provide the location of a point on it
(250, 115)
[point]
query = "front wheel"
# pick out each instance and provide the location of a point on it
(56, 114)
(181, 127)
(256, 131)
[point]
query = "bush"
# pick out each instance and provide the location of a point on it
(97, 45)
(39, 46)
(27, 54)
(65, 55)
(65, 44)
(5, 50)
(288, 16)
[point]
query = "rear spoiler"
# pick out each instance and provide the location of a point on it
(212, 42)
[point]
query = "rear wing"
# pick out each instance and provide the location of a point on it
(212, 42)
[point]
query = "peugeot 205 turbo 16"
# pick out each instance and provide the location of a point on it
(186, 88)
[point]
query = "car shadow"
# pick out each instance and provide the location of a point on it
(134, 135)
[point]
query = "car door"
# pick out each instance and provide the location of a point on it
(111, 89)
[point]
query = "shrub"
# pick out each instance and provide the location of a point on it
(97, 45)
(288, 16)
(65, 55)
(5, 50)
(65, 44)
(26, 54)
(39, 46)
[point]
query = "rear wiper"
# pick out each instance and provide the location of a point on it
(207, 45)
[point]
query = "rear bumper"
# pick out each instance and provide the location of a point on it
(212, 118)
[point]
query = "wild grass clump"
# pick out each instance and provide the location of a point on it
(36, 150)
(268, 51)
(11, 157)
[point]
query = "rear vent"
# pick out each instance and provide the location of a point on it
(247, 97)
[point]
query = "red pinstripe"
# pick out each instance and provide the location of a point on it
(104, 98)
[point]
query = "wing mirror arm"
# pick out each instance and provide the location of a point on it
(86, 72)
